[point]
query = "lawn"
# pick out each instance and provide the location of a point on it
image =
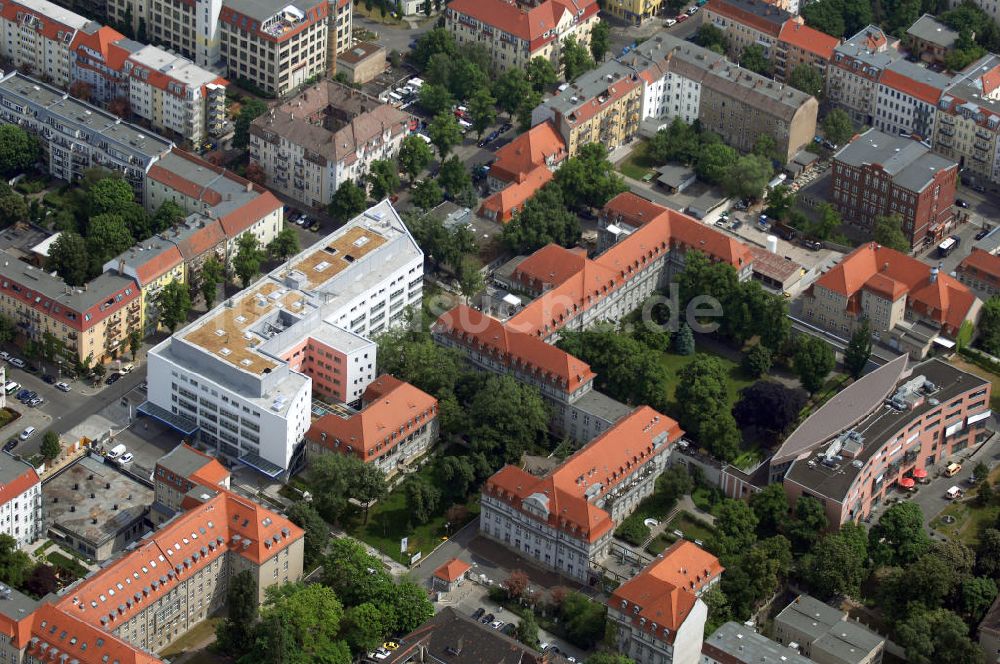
(660, 543)
(193, 638)
(737, 379)
(637, 164)
(67, 564)
(969, 521)
(693, 528)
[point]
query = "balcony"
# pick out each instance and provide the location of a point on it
(946, 130)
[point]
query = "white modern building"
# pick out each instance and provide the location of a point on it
(242, 378)
(20, 500)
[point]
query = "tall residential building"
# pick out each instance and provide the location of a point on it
(326, 135)
(241, 379)
(76, 136)
(879, 174)
(908, 304)
(968, 121)
(514, 33)
(565, 520)
(37, 36)
(601, 106)
(855, 70)
(275, 45)
(633, 11)
(657, 614)
(799, 44)
(907, 98)
(395, 425)
(693, 83)
(748, 23)
(980, 271)
(20, 501)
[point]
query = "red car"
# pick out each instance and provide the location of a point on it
(682, 17)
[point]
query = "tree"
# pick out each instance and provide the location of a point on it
(51, 447)
(369, 485)
(584, 620)
(167, 216)
(435, 99)
(838, 564)
(466, 78)
(304, 515)
(19, 150)
(544, 219)
(470, 279)
(501, 437)
(349, 200)
(211, 275)
(837, 127)
(684, 340)
(977, 594)
(720, 436)
(482, 110)
(859, 349)
(899, 537)
(988, 327)
(347, 570)
(813, 360)
(779, 202)
(609, 658)
(735, 529)
(109, 195)
(599, 40)
(69, 258)
(301, 623)
(427, 195)
(711, 37)
(755, 59)
(988, 553)
(827, 225)
(701, 393)
(808, 79)
(757, 361)
(748, 176)
(422, 499)
(527, 631)
(438, 40)
(679, 142)
(888, 232)
(938, 636)
(714, 161)
(13, 207)
(540, 73)
(382, 178)
(365, 626)
(770, 506)
(284, 245)
(444, 132)
(589, 180)
(453, 176)
(414, 156)
(510, 88)
(525, 109)
(173, 304)
(246, 264)
(14, 563)
(250, 110)
(574, 59)
(825, 16)
(769, 405)
(43, 580)
(234, 633)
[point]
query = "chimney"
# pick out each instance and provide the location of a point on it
(934, 274)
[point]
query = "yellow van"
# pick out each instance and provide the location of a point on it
(952, 469)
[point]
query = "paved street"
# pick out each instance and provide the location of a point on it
(396, 37)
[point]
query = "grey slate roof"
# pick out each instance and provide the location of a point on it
(14, 604)
(54, 288)
(920, 74)
(931, 30)
(11, 468)
(182, 461)
(857, 47)
(746, 646)
(911, 164)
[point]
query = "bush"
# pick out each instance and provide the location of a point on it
(633, 530)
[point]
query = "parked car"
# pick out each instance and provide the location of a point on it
(28, 433)
(682, 17)
(17, 362)
(314, 227)
(49, 379)
(692, 10)
(22, 395)
(509, 629)
(983, 233)
(811, 244)
(669, 22)
(11, 444)
(4, 355)
(63, 387)
(11, 386)
(505, 127)
(961, 202)
(496, 624)
(487, 619)
(478, 613)
(126, 458)
(112, 379)
(29, 396)
(34, 403)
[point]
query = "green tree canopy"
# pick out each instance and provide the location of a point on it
(544, 219)
(248, 258)
(837, 126)
(938, 636)
(435, 99)
(382, 178)
(305, 516)
(284, 245)
(250, 110)
(808, 79)
(427, 195)
(349, 200)
(482, 110)
(748, 176)
(541, 74)
(70, 258)
(859, 349)
(813, 360)
(600, 40)
(589, 179)
(173, 304)
(899, 537)
(414, 156)
(888, 232)
(51, 447)
(575, 59)
(454, 177)
(444, 132)
(19, 150)
(755, 59)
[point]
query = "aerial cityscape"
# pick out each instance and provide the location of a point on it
(499, 332)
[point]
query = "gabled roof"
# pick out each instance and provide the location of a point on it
(455, 638)
(16, 477)
(513, 197)
(660, 598)
(535, 25)
(522, 352)
(452, 570)
(568, 493)
(808, 39)
(516, 160)
(190, 463)
(757, 14)
(56, 632)
(937, 296)
(981, 262)
(392, 408)
(915, 80)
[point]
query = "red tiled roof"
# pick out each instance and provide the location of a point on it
(905, 84)
(550, 265)
(665, 592)
(452, 570)
(945, 300)
(569, 491)
(56, 632)
(991, 80)
(529, 24)
(982, 262)
(159, 265)
(393, 410)
(632, 209)
(24, 481)
(743, 17)
(212, 474)
(523, 352)
(246, 216)
(808, 39)
(205, 238)
(616, 90)
(519, 158)
(505, 202)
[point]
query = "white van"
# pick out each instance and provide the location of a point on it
(28, 433)
(11, 386)
(116, 452)
(953, 493)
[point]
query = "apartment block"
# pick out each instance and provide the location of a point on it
(37, 37)
(658, 616)
(748, 23)
(907, 98)
(395, 425)
(327, 135)
(968, 121)
(76, 136)
(909, 305)
(276, 46)
(826, 635)
(798, 44)
(879, 174)
(521, 168)
(565, 520)
(601, 106)
(20, 501)
(686, 81)
(93, 323)
(515, 33)
(855, 70)
(241, 379)
(634, 11)
(980, 271)
(178, 472)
